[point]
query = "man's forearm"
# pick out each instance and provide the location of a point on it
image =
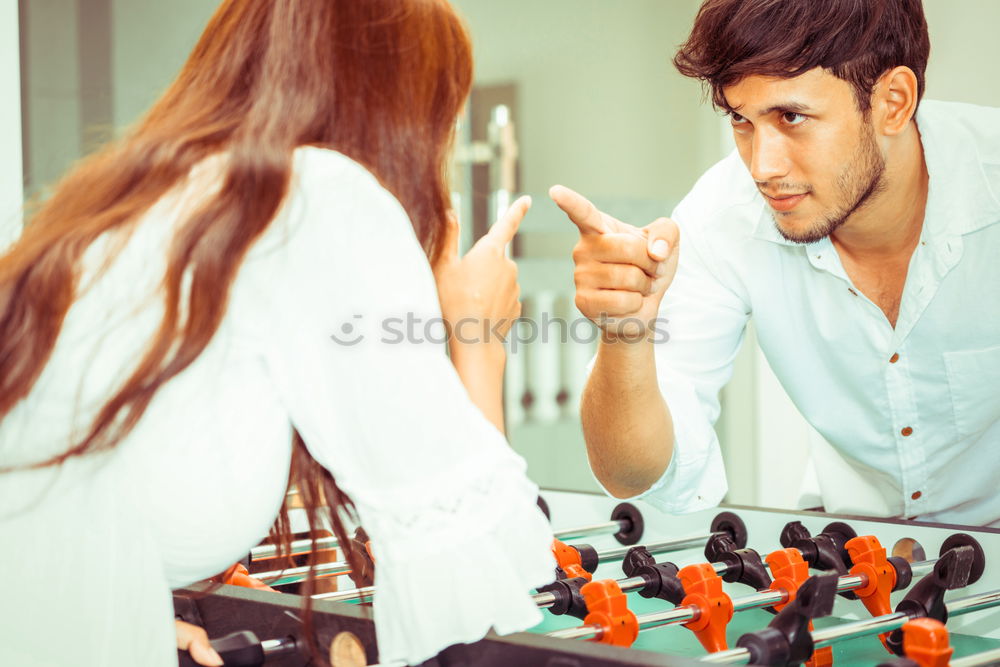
(626, 422)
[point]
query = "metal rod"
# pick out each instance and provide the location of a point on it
(579, 632)
(685, 613)
(656, 548)
(680, 614)
(734, 656)
(646, 621)
(346, 596)
(971, 603)
(297, 547)
(917, 569)
(956, 607)
(761, 599)
(596, 529)
(547, 599)
(275, 647)
(863, 628)
(851, 582)
(821, 638)
(978, 660)
(631, 584)
(544, 600)
(868, 626)
(294, 575)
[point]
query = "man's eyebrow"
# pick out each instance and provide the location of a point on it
(782, 107)
(787, 107)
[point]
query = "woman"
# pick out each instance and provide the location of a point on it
(232, 272)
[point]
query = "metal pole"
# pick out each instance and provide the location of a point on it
(579, 632)
(294, 575)
(978, 660)
(346, 596)
(596, 529)
(863, 628)
(275, 647)
(868, 626)
(679, 614)
(297, 547)
(768, 598)
(656, 548)
(547, 599)
(972, 603)
(761, 599)
(734, 656)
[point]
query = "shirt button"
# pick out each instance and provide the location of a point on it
(916, 495)
(894, 358)
(907, 431)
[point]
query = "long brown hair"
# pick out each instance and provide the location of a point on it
(381, 81)
(856, 40)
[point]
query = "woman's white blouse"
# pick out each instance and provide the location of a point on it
(332, 327)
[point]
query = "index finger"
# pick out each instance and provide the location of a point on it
(580, 210)
(503, 230)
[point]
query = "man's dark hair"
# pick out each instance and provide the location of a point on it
(855, 40)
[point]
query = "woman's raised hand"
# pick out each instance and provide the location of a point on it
(480, 299)
(479, 294)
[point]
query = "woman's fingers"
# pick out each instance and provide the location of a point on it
(194, 640)
(503, 230)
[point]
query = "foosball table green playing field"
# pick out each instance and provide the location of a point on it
(728, 586)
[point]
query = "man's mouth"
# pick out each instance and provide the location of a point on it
(785, 202)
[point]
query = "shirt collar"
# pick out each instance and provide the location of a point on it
(964, 190)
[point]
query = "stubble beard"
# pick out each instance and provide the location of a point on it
(859, 182)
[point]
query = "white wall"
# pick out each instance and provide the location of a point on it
(151, 42)
(965, 50)
(52, 90)
(11, 179)
(602, 108)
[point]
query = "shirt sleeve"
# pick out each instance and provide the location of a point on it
(701, 326)
(358, 356)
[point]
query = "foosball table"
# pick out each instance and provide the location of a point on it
(734, 585)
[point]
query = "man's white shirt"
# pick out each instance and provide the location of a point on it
(912, 412)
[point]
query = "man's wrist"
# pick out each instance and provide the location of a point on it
(639, 349)
(614, 338)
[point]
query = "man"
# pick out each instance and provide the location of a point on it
(858, 225)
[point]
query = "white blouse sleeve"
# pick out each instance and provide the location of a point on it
(357, 356)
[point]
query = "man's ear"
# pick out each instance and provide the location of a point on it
(894, 101)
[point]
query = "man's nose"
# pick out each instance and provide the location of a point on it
(770, 159)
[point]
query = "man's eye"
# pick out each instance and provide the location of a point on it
(793, 118)
(736, 119)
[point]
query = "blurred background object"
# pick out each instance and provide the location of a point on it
(577, 92)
